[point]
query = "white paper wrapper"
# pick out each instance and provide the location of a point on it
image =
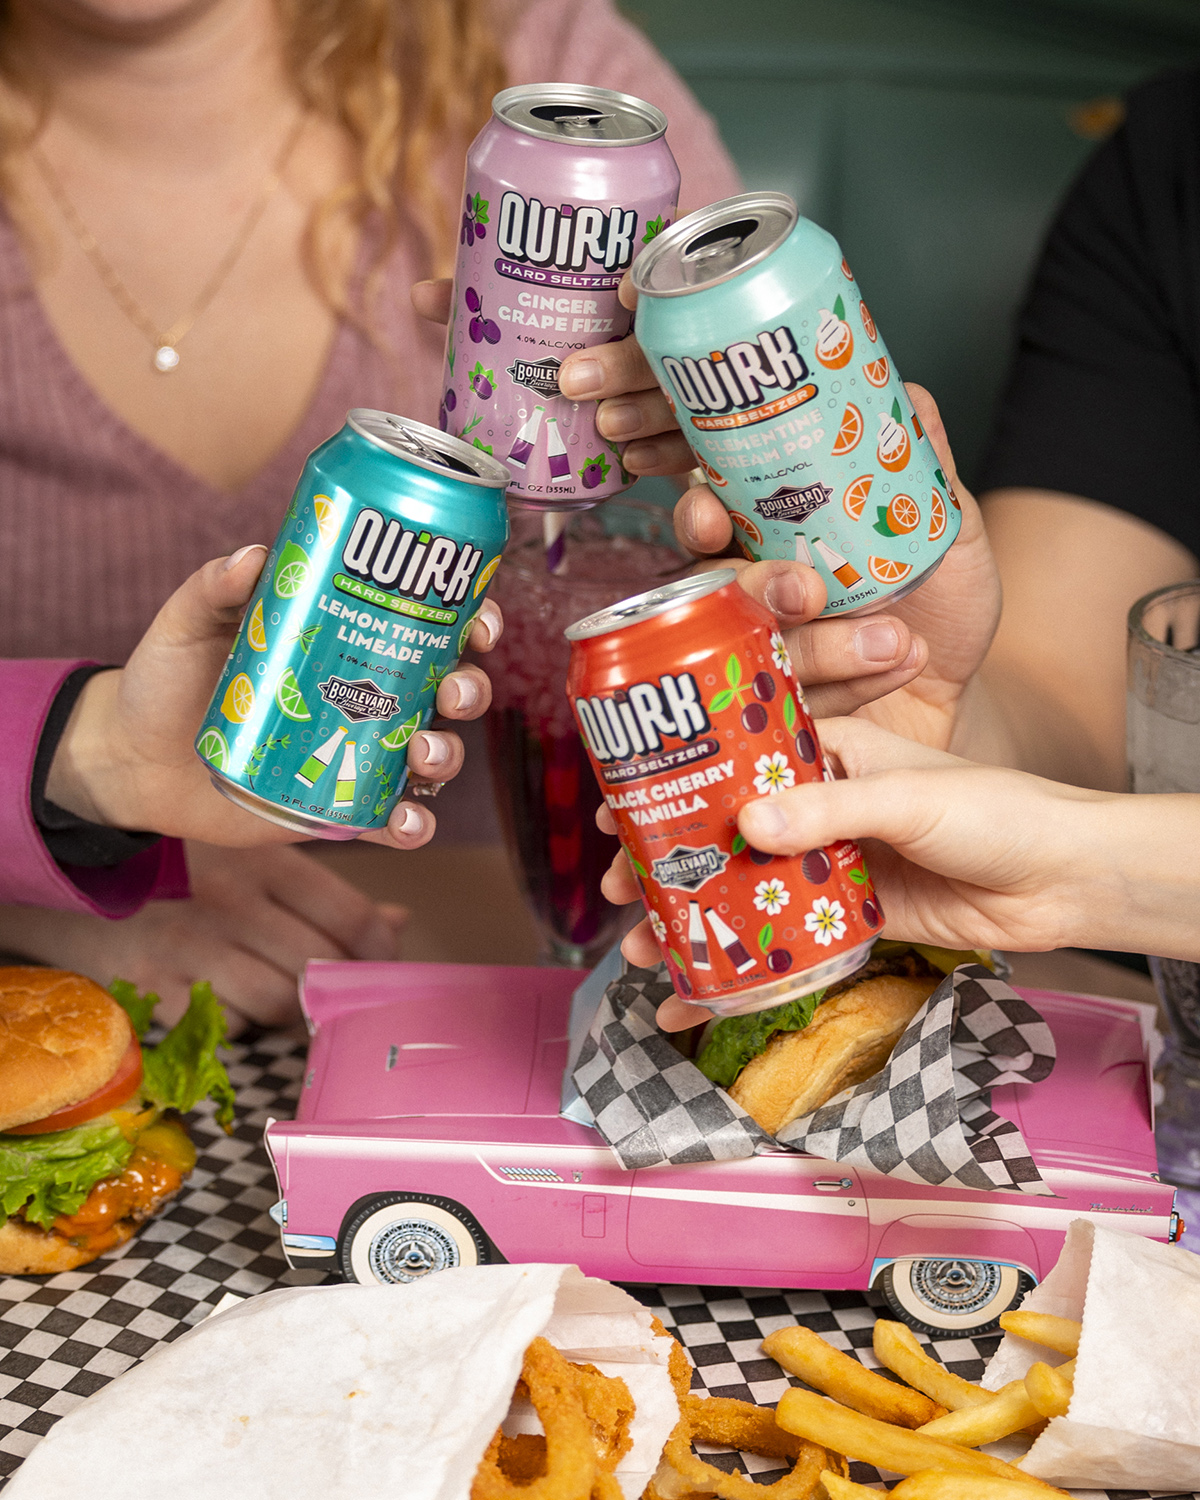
(1134, 1420)
(374, 1392)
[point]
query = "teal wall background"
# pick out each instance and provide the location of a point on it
(932, 137)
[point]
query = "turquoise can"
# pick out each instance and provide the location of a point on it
(364, 605)
(784, 389)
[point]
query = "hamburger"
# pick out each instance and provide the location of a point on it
(783, 1063)
(90, 1140)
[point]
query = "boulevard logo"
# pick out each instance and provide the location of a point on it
(538, 375)
(687, 869)
(358, 700)
(790, 503)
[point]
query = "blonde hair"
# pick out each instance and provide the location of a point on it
(411, 81)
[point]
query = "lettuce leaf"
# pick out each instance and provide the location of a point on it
(183, 1068)
(738, 1039)
(139, 1008)
(53, 1174)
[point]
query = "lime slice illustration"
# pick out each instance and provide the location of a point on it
(214, 748)
(238, 699)
(464, 633)
(329, 518)
(255, 631)
(400, 736)
(289, 698)
(485, 577)
(292, 571)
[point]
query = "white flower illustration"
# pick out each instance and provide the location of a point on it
(824, 921)
(659, 926)
(771, 896)
(772, 774)
(779, 652)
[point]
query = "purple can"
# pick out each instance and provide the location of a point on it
(565, 184)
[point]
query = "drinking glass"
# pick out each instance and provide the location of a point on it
(1163, 746)
(546, 792)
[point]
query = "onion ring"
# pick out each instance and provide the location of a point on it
(570, 1444)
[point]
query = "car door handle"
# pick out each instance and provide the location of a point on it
(832, 1184)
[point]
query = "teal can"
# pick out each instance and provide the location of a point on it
(782, 386)
(364, 605)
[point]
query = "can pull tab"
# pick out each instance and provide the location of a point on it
(710, 254)
(575, 119)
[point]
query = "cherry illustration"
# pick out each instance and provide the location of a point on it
(759, 856)
(683, 984)
(764, 686)
(806, 747)
(871, 913)
(816, 867)
(754, 717)
(779, 960)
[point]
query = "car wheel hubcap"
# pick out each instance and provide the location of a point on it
(956, 1286)
(410, 1249)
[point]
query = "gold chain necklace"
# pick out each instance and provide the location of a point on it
(165, 341)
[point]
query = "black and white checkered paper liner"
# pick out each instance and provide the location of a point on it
(926, 1117)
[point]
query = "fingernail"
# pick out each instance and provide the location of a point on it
(642, 456)
(233, 560)
(468, 692)
(491, 620)
(619, 419)
(878, 641)
(687, 523)
(581, 377)
(433, 749)
(784, 594)
(408, 819)
(766, 820)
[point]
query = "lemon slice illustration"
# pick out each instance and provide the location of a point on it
(329, 518)
(401, 735)
(214, 748)
(255, 630)
(485, 577)
(289, 698)
(292, 571)
(238, 699)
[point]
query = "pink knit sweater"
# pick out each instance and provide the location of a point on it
(98, 526)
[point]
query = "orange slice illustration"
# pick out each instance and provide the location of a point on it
(877, 371)
(937, 516)
(903, 514)
(747, 525)
(884, 570)
(850, 432)
(894, 447)
(954, 499)
(835, 342)
(917, 428)
(846, 271)
(856, 496)
(868, 322)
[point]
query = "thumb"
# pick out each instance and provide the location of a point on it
(898, 807)
(207, 607)
(431, 300)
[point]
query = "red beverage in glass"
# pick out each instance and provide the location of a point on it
(687, 703)
(546, 794)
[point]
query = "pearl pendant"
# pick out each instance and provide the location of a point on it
(165, 359)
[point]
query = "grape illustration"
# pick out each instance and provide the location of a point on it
(449, 402)
(764, 687)
(754, 716)
(816, 867)
(779, 960)
(480, 329)
(594, 472)
(482, 381)
(473, 220)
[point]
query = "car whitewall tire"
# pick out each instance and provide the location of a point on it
(406, 1240)
(953, 1297)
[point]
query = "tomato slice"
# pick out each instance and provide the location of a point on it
(118, 1088)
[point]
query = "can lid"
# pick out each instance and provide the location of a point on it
(578, 114)
(714, 244)
(645, 606)
(428, 448)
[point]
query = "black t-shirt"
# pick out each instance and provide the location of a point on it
(1104, 396)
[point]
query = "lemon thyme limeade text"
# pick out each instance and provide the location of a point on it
(363, 607)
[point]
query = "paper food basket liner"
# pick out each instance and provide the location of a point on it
(1134, 1418)
(926, 1117)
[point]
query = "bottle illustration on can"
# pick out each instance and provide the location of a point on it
(688, 707)
(783, 387)
(537, 276)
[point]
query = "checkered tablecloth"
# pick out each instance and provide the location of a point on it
(63, 1337)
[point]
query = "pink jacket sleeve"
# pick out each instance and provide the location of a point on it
(29, 875)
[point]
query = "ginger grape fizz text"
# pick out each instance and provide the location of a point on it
(564, 186)
(782, 385)
(364, 605)
(688, 706)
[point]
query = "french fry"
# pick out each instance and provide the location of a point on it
(857, 1436)
(933, 1486)
(1008, 1411)
(838, 1488)
(1050, 1387)
(898, 1349)
(805, 1353)
(1060, 1334)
